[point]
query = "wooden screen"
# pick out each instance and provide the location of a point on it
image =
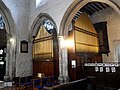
(43, 53)
(101, 29)
(85, 35)
(85, 48)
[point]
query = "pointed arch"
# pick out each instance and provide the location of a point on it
(10, 33)
(9, 22)
(75, 7)
(38, 22)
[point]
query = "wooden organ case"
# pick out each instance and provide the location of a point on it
(85, 49)
(45, 53)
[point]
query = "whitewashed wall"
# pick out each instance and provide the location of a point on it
(113, 23)
(20, 13)
(54, 8)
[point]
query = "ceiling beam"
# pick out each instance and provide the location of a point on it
(87, 11)
(102, 4)
(90, 6)
(97, 6)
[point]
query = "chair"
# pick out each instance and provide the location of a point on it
(16, 82)
(53, 81)
(45, 82)
(29, 81)
(37, 84)
(23, 82)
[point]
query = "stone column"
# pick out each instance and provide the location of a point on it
(65, 64)
(7, 58)
(63, 60)
(60, 78)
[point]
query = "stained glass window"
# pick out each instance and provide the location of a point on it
(1, 22)
(48, 26)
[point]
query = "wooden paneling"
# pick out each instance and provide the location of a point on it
(85, 23)
(45, 53)
(101, 29)
(85, 47)
(43, 67)
(3, 39)
(86, 41)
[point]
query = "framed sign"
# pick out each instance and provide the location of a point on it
(24, 47)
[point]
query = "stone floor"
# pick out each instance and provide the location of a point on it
(7, 88)
(11, 88)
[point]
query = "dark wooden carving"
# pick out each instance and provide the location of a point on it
(3, 39)
(101, 29)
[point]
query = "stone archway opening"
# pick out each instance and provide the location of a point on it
(10, 46)
(75, 7)
(43, 34)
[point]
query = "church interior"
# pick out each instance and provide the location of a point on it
(59, 45)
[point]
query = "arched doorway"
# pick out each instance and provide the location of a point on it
(45, 46)
(10, 45)
(72, 11)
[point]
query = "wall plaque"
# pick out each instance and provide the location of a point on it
(24, 47)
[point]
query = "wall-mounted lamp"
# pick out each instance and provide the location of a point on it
(66, 42)
(12, 40)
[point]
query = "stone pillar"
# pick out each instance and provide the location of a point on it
(65, 64)
(63, 61)
(10, 59)
(7, 58)
(60, 78)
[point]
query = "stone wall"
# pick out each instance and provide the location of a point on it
(54, 8)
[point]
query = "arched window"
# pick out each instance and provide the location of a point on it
(48, 26)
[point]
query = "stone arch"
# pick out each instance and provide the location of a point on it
(69, 14)
(38, 22)
(10, 29)
(75, 6)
